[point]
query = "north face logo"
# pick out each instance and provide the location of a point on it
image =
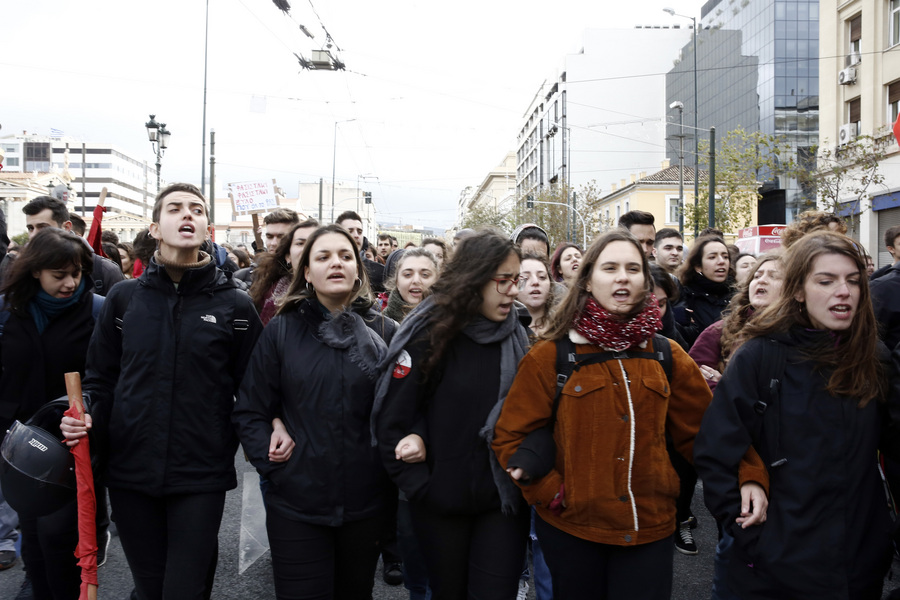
(208, 318)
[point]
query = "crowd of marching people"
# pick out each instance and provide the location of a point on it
(478, 415)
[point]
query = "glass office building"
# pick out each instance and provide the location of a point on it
(757, 68)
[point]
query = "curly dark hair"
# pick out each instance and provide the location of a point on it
(271, 267)
(50, 248)
(457, 294)
(809, 221)
(738, 313)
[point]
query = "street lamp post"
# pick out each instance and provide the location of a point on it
(159, 140)
(334, 163)
(672, 12)
(680, 106)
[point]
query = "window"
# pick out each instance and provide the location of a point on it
(894, 20)
(12, 161)
(671, 210)
(618, 212)
(855, 33)
(853, 112)
(893, 102)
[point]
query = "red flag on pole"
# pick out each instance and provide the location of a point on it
(86, 551)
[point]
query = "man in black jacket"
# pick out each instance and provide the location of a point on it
(352, 222)
(46, 211)
(165, 361)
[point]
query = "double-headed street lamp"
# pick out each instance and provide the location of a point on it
(159, 139)
(672, 12)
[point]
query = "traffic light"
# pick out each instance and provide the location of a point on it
(529, 201)
(367, 196)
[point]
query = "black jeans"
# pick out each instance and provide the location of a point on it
(472, 556)
(48, 547)
(581, 569)
(171, 542)
(321, 562)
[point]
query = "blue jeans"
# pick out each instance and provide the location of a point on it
(720, 588)
(9, 520)
(543, 585)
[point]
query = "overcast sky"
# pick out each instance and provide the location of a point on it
(437, 90)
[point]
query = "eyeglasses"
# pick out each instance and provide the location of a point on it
(505, 284)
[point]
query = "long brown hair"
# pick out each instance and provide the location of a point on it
(578, 295)
(855, 369)
(457, 293)
(739, 312)
(299, 291)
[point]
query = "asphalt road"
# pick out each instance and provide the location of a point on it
(693, 574)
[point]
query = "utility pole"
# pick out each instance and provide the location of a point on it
(212, 181)
(320, 200)
(712, 177)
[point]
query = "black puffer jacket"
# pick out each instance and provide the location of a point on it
(33, 365)
(826, 533)
(162, 389)
(334, 474)
(701, 304)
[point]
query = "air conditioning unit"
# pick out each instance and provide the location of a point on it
(853, 59)
(847, 76)
(847, 133)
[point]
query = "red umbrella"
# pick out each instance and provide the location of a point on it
(86, 551)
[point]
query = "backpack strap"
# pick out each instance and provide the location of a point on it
(121, 302)
(241, 323)
(565, 365)
(567, 362)
(771, 374)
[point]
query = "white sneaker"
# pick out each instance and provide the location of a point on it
(523, 590)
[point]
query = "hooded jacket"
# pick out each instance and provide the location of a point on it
(826, 529)
(162, 388)
(620, 486)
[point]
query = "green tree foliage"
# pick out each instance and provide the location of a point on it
(743, 161)
(549, 211)
(843, 173)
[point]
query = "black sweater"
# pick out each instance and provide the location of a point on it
(448, 410)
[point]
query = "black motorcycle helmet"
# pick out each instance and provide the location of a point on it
(37, 472)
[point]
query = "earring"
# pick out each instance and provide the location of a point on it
(310, 288)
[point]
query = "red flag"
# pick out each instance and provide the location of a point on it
(86, 551)
(897, 129)
(94, 236)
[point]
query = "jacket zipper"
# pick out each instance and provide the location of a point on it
(631, 442)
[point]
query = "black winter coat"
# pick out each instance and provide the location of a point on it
(448, 410)
(33, 365)
(827, 529)
(706, 300)
(334, 474)
(162, 389)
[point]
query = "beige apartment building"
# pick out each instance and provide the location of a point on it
(859, 89)
(656, 194)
